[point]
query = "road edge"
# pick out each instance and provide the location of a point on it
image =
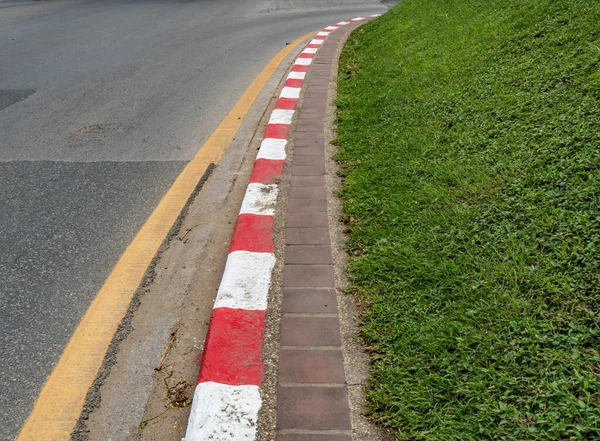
(227, 399)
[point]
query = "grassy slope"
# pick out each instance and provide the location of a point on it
(470, 145)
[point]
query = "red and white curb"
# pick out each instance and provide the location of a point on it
(227, 398)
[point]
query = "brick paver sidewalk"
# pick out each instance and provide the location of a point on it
(312, 397)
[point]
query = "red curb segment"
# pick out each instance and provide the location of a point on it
(286, 103)
(277, 131)
(233, 348)
(267, 171)
(300, 68)
(253, 232)
(293, 82)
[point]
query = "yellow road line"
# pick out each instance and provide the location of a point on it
(60, 402)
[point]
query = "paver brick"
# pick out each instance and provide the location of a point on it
(308, 170)
(307, 254)
(312, 437)
(308, 276)
(310, 331)
(307, 192)
(307, 204)
(307, 236)
(310, 151)
(310, 140)
(316, 161)
(313, 408)
(307, 219)
(311, 366)
(317, 89)
(308, 181)
(310, 109)
(307, 139)
(317, 97)
(307, 300)
(311, 127)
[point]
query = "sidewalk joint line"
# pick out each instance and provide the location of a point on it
(311, 314)
(313, 432)
(329, 385)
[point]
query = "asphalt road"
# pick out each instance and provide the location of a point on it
(102, 103)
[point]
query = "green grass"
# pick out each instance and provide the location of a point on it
(469, 136)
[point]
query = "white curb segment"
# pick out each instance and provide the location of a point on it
(216, 405)
(260, 199)
(281, 116)
(246, 281)
(272, 149)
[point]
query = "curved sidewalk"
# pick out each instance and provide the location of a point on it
(312, 395)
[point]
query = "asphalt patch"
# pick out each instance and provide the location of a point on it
(8, 97)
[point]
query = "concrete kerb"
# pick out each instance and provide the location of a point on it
(227, 398)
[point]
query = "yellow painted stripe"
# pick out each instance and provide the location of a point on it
(60, 402)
